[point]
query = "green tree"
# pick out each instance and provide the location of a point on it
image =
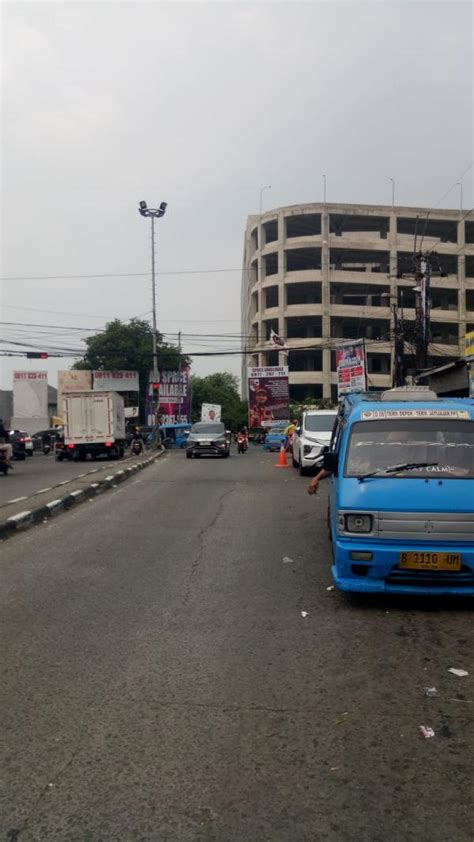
(221, 388)
(129, 345)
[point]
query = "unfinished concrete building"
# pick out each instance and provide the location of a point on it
(320, 273)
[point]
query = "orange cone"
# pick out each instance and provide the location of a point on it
(282, 463)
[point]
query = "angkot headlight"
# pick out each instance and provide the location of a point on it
(358, 523)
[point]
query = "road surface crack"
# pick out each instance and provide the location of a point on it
(201, 542)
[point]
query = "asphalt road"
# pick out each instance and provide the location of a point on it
(39, 471)
(174, 668)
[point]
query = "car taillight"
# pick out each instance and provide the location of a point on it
(71, 446)
(108, 444)
(22, 440)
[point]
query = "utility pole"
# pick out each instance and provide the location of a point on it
(399, 344)
(180, 388)
(423, 301)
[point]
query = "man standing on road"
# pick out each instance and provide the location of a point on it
(5, 445)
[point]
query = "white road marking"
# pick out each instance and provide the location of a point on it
(17, 500)
(43, 490)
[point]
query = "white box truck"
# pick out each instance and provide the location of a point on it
(94, 422)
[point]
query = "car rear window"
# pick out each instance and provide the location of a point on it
(214, 429)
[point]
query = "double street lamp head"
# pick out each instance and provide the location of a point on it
(144, 210)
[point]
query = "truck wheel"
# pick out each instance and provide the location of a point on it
(121, 452)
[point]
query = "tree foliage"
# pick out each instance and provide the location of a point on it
(129, 346)
(221, 388)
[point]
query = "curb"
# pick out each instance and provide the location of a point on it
(23, 520)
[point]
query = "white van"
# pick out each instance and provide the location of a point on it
(310, 438)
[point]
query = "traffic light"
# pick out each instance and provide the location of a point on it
(36, 355)
(155, 391)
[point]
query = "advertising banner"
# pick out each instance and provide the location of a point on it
(469, 345)
(116, 381)
(30, 394)
(351, 367)
(72, 381)
(268, 395)
(174, 405)
(211, 412)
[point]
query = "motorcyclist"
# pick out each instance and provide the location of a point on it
(5, 445)
(137, 437)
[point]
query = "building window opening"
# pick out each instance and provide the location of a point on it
(303, 294)
(271, 264)
(271, 231)
(306, 225)
(300, 260)
(358, 260)
(354, 226)
(444, 230)
(306, 327)
(271, 297)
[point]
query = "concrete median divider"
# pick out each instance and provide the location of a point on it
(23, 520)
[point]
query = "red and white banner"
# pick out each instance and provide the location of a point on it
(351, 364)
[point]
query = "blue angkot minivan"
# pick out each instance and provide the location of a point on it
(401, 502)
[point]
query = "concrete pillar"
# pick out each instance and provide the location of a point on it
(461, 288)
(282, 357)
(326, 303)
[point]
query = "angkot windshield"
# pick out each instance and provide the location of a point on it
(447, 446)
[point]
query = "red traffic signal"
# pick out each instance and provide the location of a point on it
(36, 355)
(155, 387)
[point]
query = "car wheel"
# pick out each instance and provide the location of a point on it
(29, 452)
(189, 455)
(293, 460)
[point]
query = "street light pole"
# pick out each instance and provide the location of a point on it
(324, 189)
(153, 213)
(393, 192)
(458, 184)
(153, 295)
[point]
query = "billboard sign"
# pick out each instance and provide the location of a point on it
(174, 405)
(30, 394)
(351, 365)
(72, 381)
(469, 354)
(116, 381)
(211, 412)
(268, 395)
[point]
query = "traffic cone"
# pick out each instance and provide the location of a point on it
(282, 463)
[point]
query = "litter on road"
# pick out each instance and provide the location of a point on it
(426, 731)
(287, 560)
(330, 588)
(431, 692)
(458, 672)
(304, 613)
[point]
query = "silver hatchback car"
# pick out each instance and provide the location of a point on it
(207, 439)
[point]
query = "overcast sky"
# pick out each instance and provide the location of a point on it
(200, 105)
